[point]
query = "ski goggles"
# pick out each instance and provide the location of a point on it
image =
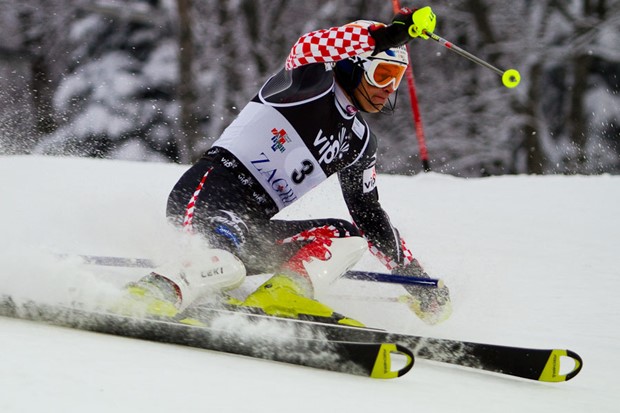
(380, 73)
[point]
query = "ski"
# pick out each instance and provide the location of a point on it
(303, 346)
(547, 365)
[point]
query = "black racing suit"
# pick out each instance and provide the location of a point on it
(283, 144)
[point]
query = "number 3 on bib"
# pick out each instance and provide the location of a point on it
(306, 169)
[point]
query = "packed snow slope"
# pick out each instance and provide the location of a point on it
(530, 260)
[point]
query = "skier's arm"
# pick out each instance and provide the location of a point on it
(337, 43)
(362, 199)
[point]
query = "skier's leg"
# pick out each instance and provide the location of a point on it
(203, 202)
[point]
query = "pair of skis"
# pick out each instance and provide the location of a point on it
(314, 343)
(354, 350)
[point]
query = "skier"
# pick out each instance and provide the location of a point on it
(304, 125)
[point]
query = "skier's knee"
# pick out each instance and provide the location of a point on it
(225, 230)
(344, 253)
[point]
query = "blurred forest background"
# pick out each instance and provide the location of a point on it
(158, 80)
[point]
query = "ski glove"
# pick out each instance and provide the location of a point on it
(406, 25)
(432, 305)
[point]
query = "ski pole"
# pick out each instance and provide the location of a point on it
(108, 261)
(510, 77)
(392, 278)
(415, 107)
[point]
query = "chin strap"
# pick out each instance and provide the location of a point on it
(387, 109)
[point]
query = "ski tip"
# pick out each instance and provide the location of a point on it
(557, 368)
(392, 361)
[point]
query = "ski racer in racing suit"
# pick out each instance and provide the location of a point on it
(304, 125)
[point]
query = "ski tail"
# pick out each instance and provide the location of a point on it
(378, 360)
(546, 365)
(556, 361)
(383, 367)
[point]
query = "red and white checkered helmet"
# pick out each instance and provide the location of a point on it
(349, 71)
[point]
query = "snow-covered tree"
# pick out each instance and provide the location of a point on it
(117, 97)
(31, 51)
(564, 115)
(161, 79)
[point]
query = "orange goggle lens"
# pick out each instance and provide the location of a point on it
(382, 73)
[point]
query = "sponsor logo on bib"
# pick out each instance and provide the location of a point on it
(279, 138)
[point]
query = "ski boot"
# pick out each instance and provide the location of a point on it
(290, 292)
(286, 295)
(196, 275)
(153, 296)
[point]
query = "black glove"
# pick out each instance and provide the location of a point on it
(413, 269)
(432, 305)
(396, 34)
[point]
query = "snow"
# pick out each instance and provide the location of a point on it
(530, 260)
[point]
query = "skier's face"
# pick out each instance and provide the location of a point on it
(371, 98)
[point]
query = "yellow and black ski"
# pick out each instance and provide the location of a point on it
(547, 365)
(382, 360)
